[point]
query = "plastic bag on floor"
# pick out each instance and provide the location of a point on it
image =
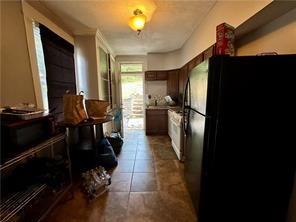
(106, 156)
(116, 141)
(96, 182)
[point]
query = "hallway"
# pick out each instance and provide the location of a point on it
(147, 185)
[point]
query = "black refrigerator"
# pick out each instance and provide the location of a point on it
(239, 126)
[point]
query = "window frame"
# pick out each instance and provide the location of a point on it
(130, 63)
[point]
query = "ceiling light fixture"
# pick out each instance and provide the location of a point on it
(137, 22)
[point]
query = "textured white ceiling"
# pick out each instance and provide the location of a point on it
(171, 22)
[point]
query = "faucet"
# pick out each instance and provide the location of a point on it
(155, 102)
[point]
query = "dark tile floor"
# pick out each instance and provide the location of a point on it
(147, 185)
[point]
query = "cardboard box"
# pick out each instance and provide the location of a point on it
(224, 39)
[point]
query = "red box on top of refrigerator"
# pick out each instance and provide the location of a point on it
(224, 39)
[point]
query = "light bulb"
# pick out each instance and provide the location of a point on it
(137, 22)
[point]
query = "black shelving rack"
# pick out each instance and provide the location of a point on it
(17, 203)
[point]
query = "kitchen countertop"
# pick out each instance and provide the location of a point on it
(157, 107)
(164, 107)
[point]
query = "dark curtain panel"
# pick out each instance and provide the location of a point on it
(60, 69)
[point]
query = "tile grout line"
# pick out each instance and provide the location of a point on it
(129, 193)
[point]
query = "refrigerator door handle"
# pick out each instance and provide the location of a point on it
(187, 121)
(184, 122)
(186, 107)
(186, 118)
(189, 92)
(186, 96)
(184, 99)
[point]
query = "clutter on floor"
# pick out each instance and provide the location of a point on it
(96, 182)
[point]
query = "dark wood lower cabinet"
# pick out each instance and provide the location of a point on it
(156, 121)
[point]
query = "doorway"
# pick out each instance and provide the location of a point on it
(132, 91)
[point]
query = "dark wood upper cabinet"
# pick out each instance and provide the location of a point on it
(209, 52)
(199, 59)
(173, 84)
(191, 65)
(183, 75)
(150, 75)
(195, 61)
(161, 75)
(156, 75)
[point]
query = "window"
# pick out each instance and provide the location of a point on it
(131, 68)
(60, 69)
(55, 61)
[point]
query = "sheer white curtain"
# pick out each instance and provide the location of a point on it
(40, 64)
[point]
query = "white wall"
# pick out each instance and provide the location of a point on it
(87, 62)
(132, 59)
(16, 76)
(164, 61)
(277, 36)
(231, 12)
(86, 66)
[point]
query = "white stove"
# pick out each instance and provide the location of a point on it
(175, 131)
